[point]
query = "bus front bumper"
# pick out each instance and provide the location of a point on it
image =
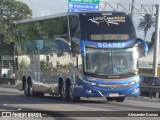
(94, 91)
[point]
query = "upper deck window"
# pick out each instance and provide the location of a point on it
(99, 26)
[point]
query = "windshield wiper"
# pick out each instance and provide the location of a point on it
(102, 73)
(132, 73)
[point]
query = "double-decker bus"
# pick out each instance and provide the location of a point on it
(78, 54)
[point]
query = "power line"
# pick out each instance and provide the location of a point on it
(129, 7)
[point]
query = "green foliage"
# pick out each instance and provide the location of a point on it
(6, 49)
(11, 11)
(146, 23)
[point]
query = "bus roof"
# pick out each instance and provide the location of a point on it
(64, 14)
(40, 18)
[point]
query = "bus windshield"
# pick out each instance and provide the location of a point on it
(111, 61)
(107, 26)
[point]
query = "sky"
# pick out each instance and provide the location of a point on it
(48, 7)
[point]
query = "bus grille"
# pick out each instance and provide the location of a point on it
(113, 86)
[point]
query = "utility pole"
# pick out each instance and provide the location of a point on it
(132, 8)
(156, 47)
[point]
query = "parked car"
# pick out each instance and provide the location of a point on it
(150, 81)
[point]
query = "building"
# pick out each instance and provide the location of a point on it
(6, 66)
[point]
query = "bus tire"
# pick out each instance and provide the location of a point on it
(62, 92)
(26, 89)
(23, 84)
(31, 93)
(76, 99)
(70, 95)
(120, 99)
(38, 94)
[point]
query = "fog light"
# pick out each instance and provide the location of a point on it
(90, 91)
(135, 90)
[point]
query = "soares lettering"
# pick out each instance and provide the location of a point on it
(111, 45)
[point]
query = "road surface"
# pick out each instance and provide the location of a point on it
(13, 100)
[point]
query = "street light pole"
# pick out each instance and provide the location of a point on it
(156, 44)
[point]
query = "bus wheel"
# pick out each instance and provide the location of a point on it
(71, 97)
(120, 99)
(26, 89)
(40, 94)
(62, 92)
(31, 94)
(110, 98)
(30, 90)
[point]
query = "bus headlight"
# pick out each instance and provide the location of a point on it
(91, 83)
(136, 90)
(134, 82)
(88, 82)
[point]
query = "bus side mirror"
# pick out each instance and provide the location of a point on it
(143, 46)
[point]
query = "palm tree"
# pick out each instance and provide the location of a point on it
(146, 23)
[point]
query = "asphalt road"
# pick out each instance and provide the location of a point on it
(13, 100)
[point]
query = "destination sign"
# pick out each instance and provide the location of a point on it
(81, 7)
(110, 37)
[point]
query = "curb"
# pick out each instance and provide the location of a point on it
(141, 98)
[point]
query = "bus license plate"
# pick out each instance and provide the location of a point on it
(113, 94)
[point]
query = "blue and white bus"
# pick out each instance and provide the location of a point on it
(64, 55)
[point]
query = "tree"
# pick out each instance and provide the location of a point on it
(146, 23)
(11, 11)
